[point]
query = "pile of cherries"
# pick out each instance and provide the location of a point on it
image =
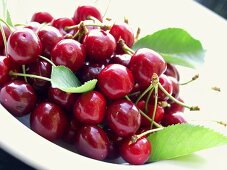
(110, 121)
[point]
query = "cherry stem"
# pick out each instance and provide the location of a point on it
(81, 32)
(29, 75)
(102, 26)
(128, 98)
(148, 118)
(215, 88)
(3, 36)
(24, 72)
(147, 99)
(145, 92)
(125, 48)
(137, 34)
(126, 20)
(163, 104)
(191, 108)
(48, 60)
(1, 20)
(134, 138)
(193, 79)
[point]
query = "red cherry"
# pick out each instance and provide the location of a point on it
(18, 97)
(24, 46)
(7, 33)
(48, 120)
(136, 153)
(82, 13)
(122, 59)
(69, 53)
(172, 71)
(42, 17)
(172, 119)
(115, 81)
(90, 108)
(5, 67)
(99, 45)
(167, 85)
(123, 117)
(175, 85)
(174, 107)
(34, 26)
(144, 63)
(92, 141)
(71, 131)
(61, 23)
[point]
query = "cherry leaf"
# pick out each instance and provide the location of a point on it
(64, 79)
(175, 45)
(183, 139)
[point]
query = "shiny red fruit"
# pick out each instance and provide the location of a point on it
(122, 59)
(172, 119)
(24, 46)
(49, 121)
(174, 107)
(144, 63)
(90, 108)
(172, 71)
(136, 153)
(5, 67)
(99, 45)
(69, 53)
(61, 23)
(175, 86)
(82, 13)
(167, 85)
(123, 117)
(71, 131)
(42, 17)
(115, 81)
(18, 97)
(7, 33)
(34, 26)
(92, 141)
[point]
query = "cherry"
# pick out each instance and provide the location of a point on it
(18, 97)
(40, 68)
(174, 107)
(23, 46)
(5, 67)
(144, 63)
(49, 37)
(61, 23)
(83, 12)
(172, 71)
(90, 108)
(123, 117)
(89, 71)
(7, 33)
(172, 119)
(34, 26)
(123, 31)
(167, 85)
(48, 120)
(115, 81)
(61, 98)
(136, 153)
(122, 59)
(69, 53)
(92, 141)
(99, 45)
(175, 86)
(42, 17)
(71, 131)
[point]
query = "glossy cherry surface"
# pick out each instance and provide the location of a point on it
(144, 63)
(172, 119)
(5, 67)
(167, 85)
(172, 71)
(99, 45)
(61, 23)
(18, 97)
(122, 59)
(90, 108)
(42, 17)
(174, 107)
(136, 153)
(69, 53)
(123, 117)
(24, 46)
(82, 13)
(48, 120)
(175, 86)
(92, 141)
(115, 81)
(7, 33)
(49, 37)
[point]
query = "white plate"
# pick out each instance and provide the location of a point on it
(150, 16)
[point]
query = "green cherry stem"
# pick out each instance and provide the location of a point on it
(29, 75)
(48, 60)
(128, 98)
(191, 108)
(3, 36)
(193, 79)
(155, 104)
(145, 92)
(125, 48)
(24, 72)
(148, 118)
(1, 20)
(147, 100)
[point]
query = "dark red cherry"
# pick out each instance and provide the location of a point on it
(136, 153)
(24, 46)
(122, 30)
(172, 71)
(123, 117)
(61, 23)
(49, 37)
(48, 120)
(5, 67)
(90, 108)
(99, 45)
(40, 68)
(63, 99)
(71, 131)
(7, 33)
(174, 107)
(122, 59)
(18, 97)
(92, 141)
(175, 86)
(89, 71)
(172, 119)
(144, 63)
(167, 85)
(42, 17)
(34, 26)
(69, 53)
(82, 13)
(115, 81)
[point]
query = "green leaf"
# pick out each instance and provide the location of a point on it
(6, 13)
(63, 78)
(183, 139)
(8, 18)
(175, 45)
